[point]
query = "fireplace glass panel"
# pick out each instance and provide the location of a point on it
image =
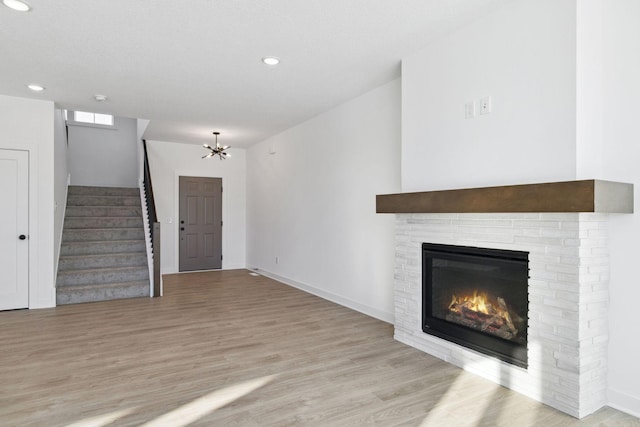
(478, 298)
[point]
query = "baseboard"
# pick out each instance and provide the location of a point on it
(173, 270)
(338, 299)
(233, 266)
(624, 402)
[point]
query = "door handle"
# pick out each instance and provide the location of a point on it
(22, 237)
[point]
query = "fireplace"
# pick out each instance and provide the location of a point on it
(477, 298)
(562, 229)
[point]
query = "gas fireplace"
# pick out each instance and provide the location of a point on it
(477, 298)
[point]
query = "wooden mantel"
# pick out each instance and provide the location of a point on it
(571, 196)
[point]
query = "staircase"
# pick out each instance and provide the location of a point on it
(103, 254)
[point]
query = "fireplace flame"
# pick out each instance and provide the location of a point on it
(480, 311)
(476, 302)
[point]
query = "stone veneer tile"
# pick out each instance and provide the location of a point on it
(568, 300)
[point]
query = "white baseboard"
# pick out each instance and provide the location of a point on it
(624, 402)
(233, 266)
(173, 270)
(338, 299)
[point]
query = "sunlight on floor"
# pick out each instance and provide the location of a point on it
(457, 407)
(530, 412)
(196, 409)
(102, 420)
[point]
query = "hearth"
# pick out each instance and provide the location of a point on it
(478, 298)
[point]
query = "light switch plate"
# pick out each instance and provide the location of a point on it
(470, 110)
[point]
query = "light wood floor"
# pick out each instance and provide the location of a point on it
(229, 349)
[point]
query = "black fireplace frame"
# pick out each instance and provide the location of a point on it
(508, 351)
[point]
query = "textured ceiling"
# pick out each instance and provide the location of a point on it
(191, 67)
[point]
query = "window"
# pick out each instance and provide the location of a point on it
(93, 118)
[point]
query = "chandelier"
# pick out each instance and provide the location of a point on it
(217, 150)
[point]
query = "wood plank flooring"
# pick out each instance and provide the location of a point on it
(228, 349)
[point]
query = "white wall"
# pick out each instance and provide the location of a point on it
(620, 162)
(565, 107)
(27, 124)
(61, 173)
(590, 89)
(168, 161)
(523, 56)
(311, 203)
(104, 157)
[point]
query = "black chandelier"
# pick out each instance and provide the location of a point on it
(217, 150)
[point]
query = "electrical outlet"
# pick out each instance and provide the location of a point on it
(470, 110)
(485, 105)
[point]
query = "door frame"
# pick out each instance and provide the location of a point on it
(176, 217)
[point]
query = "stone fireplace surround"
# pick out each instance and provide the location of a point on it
(568, 289)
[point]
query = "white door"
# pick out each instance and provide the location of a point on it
(14, 229)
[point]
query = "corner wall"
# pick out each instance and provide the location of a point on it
(61, 174)
(620, 163)
(311, 190)
(28, 124)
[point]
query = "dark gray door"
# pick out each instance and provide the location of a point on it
(200, 223)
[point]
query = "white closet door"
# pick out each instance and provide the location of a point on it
(14, 229)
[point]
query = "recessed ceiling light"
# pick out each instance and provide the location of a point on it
(100, 98)
(35, 87)
(271, 60)
(18, 5)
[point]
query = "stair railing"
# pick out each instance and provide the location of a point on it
(155, 225)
